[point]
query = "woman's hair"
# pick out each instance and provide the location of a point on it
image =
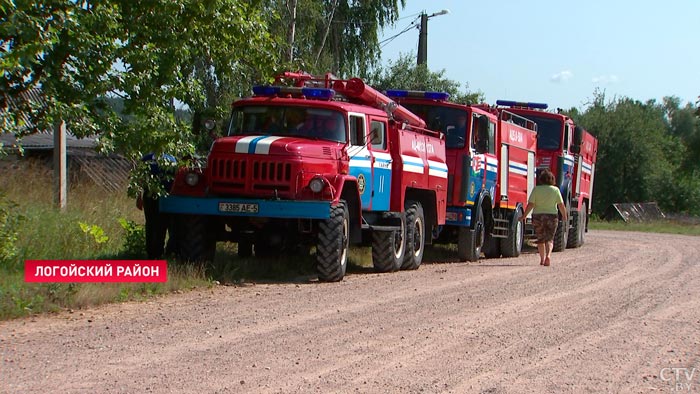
(546, 177)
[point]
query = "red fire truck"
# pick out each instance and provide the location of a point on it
(491, 167)
(570, 153)
(316, 161)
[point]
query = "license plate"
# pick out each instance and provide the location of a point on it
(238, 207)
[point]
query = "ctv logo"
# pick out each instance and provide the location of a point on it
(680, 379)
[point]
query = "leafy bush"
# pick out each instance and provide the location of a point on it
(134, 241)
(97, 233)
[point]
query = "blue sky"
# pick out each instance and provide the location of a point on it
(559, 51)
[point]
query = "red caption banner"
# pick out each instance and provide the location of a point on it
(95, 271)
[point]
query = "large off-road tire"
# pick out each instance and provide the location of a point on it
(388, 248)
(332, 244)
(415, 236)
(491, 248)
(562, 234)
(469, 242)
(197, 244)
(513, 244)
(576, 233)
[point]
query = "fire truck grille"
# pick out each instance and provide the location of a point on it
(258, 174)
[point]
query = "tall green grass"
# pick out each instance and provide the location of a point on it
(43, 232)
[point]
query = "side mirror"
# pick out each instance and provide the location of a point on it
(578, 140)
(482, 145)
(578, 135)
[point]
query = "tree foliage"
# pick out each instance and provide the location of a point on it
(646, 152)
(154, 54)
(338, 36)
(405, 74)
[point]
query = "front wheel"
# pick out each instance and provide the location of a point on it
(562, 234)
(578, 228)
(415, 236)
(332, 245)
(469, 242)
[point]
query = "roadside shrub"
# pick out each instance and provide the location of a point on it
(134, 240)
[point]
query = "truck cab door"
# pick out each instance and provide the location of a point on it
(484, 163)
(361, 158)
(379, 149)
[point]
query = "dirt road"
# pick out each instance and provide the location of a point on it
(620, 314)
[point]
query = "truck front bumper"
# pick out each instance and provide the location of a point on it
(221, 206)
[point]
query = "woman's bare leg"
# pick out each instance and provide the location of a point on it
(541, 248)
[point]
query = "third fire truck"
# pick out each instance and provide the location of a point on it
(570, 153)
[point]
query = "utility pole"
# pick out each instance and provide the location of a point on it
(423, 40)
(423, 36)
(60, 168)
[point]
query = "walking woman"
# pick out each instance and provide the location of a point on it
(544, 202)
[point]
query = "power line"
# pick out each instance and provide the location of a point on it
(386, 41)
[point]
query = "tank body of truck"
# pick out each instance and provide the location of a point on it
(491, 171)
(569, 151)
(316, 162)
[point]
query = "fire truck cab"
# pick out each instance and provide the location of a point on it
(320, 162)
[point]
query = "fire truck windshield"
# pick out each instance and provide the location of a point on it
(549, 131)
(292, 121)
(451, 121)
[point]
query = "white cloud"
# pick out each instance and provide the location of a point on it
(605, 79)
(562, 76)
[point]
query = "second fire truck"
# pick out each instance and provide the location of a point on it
(491, 167)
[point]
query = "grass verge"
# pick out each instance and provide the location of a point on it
(669, 226)
(32, 229)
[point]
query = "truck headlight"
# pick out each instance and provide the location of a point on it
(192, 179)
(317, 184)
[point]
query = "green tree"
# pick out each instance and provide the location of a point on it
(405, 74)
(338, 36)
(154, 54)
(638, 160)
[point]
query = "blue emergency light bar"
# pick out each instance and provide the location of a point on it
(317, 93)
(510, 103)
(320, 93)
(440, 96)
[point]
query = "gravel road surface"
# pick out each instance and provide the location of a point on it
(619, 315)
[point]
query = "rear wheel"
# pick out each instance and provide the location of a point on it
(469, 242)
(332, 245)
(513, 244)
(415, 236)
(492, 248)
(388, 248)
